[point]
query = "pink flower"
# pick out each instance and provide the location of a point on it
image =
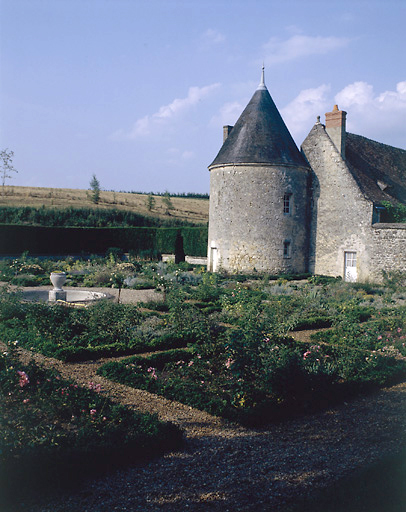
(92, 412)
(26, 401)
(24, 380)
(306, 354)
(152, 372)
(229, 362)
(95, 387)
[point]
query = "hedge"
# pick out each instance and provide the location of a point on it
(16, 239)
(83, 217)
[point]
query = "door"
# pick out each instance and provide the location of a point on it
(213, 259)
(350, 267)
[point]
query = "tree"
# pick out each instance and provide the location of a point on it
(95, 187)
(150, 202)
(167, 202)
(6, 158)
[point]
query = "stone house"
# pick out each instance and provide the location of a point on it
(276, 209)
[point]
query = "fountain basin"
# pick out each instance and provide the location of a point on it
(82, 296)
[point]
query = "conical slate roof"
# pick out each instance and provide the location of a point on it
(260, 136)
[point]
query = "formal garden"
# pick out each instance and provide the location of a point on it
(221, 343)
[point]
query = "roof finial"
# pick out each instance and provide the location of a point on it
(262, 86)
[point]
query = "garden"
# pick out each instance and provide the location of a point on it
(221, 343)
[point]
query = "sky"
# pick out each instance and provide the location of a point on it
(137, 92)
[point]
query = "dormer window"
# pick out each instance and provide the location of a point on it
(287, 204)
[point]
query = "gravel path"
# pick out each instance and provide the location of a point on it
(224, 467)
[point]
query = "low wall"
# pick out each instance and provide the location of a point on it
(388, 251)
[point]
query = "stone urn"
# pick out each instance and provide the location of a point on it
(58, 279)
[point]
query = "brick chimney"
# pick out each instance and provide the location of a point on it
(226, 131)
(335, 128)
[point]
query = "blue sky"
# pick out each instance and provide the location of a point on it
(137, 91)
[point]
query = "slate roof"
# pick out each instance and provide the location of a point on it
(377, 166)
(260, 136)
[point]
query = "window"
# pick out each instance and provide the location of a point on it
(287, 204)
(286, 249)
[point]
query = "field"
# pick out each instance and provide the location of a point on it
(187, 209)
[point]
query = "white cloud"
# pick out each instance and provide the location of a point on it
(300, 114)
(229, 113)
(377, 116)
(195, 95)
(141, 127)
(212, 36)
(361, 96)
(298, 46)
(146, 124)
(358, 93)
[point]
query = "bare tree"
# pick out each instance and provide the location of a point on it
(6, 159)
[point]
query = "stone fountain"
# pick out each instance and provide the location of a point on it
(58, 279)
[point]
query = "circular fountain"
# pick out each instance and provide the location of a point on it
(58, 294)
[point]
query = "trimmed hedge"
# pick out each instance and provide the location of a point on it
(16, 239)
(85, 217)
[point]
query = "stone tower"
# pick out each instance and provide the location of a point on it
(258, 216)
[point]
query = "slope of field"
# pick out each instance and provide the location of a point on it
(188, 209)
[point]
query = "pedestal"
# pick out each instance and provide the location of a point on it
(55, 295)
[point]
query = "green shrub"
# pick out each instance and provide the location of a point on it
(54, 432)
(242, 376)
(313, 322)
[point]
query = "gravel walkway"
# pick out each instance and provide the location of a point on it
(224, 467)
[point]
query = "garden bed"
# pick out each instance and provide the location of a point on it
(52, 431)
(270, 382)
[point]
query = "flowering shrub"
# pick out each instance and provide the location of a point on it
(51, 428)
(253, 378)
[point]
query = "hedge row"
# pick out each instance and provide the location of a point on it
(15, 239)
(83, 217)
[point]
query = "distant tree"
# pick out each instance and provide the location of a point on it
(6, 159)
(150, 202)
(167, 202)
(95, 188)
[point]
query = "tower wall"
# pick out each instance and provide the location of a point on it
(248, 228)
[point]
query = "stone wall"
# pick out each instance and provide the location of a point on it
(341, 217)
(247, 224)
(388, 250)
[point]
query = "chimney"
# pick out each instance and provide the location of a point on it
(335, 128)
(226, 132)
